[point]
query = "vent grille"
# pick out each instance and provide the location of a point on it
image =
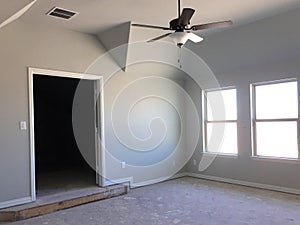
(62, 13)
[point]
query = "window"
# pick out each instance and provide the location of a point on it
(275, 119)
(220, 121)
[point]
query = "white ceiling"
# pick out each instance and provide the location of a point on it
(98, 15)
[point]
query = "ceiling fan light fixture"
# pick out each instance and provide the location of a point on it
(194, 38)
(181, 37)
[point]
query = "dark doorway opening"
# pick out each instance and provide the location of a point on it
(59, 164)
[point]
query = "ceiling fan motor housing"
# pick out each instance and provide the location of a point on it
(175, 25)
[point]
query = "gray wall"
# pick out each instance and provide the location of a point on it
(144, 112)
(263, 51)
(24, 45)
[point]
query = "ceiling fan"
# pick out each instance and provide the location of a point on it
(183, 29)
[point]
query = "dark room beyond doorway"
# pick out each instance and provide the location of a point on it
(59, 164)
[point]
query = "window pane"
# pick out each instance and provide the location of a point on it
(277, 101)
(222, 138)
(221, 105)
(278, 139)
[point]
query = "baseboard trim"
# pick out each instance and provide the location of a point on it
(179, 175)
(144, 183)
(206, 177)
(246, 183)
(15, 202)
(158, 180)
(118, 181)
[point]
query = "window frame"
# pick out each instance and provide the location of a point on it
(254, 121)
(205, 121)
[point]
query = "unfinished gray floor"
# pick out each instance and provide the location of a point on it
(49, 183)
(183, 201)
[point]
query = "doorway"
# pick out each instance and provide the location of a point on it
(59, 161)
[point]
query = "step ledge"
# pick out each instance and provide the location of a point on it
(21, 212)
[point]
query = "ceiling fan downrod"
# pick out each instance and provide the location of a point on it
(179, 10)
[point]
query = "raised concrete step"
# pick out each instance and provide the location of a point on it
(52, 203)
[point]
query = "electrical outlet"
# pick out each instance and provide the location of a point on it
(123, 164)
(194, 162)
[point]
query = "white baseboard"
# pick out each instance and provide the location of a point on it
(179, 175)
(144, 183)
(246, 183)
(157, 180)
(206, 177)
(118, 181)
(15, 202)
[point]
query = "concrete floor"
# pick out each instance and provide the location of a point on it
(49, 183)
(183, 201)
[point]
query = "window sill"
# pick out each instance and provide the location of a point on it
(276, 159)
(221, 155)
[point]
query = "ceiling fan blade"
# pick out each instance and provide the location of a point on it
(150, 26)
(212, 25)
(194, 38)
(159, 37)
(186, 16)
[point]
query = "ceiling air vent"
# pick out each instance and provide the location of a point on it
(61, 13)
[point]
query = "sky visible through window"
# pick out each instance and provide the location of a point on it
(277, 101)
(273, 102)
(222, 136)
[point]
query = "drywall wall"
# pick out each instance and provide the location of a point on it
(23, 45)
(257, 52)
(261, 42)
(144, 113)
(144, 117)
(143, 126)
(115, 37)
(262, 51)
(146, 109)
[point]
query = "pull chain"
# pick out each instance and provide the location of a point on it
(179, 58)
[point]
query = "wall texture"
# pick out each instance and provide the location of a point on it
(22, 46)
(263, 51)
(143, 123)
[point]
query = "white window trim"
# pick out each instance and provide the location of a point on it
(254, 154)
(204, 124)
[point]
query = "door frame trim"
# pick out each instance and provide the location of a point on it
(99, 149)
